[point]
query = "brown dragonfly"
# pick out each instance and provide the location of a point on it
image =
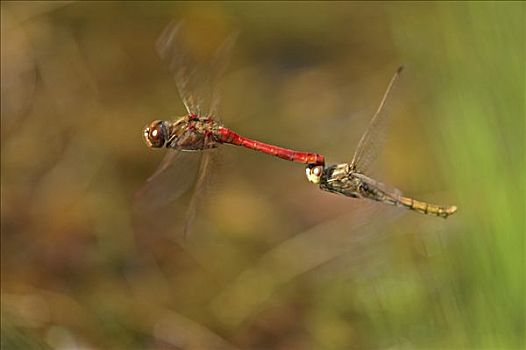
(350, 179)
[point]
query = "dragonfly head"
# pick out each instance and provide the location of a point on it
(156, 133)
(314, 173)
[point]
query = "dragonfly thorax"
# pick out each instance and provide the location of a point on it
(339, 178)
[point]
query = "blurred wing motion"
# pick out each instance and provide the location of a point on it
(185, 73)
(169, 182)
(196, 80)
(354, 234)
(217, 68)
(200, 187)
(373, 138)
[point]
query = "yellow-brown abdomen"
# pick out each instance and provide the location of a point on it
(427, 208)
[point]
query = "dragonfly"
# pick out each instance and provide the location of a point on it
(350, 179)
(199, 131)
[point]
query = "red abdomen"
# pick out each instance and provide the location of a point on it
(225, 135)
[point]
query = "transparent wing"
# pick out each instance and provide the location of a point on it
(169, 182)
(372, 139)
(196, 80)
(196, 77)
(218, 68)
(199, 189)
(179, 62)
(353, 233)
(169, 200)
(390, 191)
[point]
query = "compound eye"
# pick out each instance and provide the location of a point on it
(314, 173)
(154, 134)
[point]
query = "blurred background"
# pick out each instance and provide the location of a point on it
(271, 261)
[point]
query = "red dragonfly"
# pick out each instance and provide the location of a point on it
(199, 129)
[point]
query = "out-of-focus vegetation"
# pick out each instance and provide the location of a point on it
(272, 262)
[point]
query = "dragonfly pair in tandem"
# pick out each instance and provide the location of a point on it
(198, 131)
